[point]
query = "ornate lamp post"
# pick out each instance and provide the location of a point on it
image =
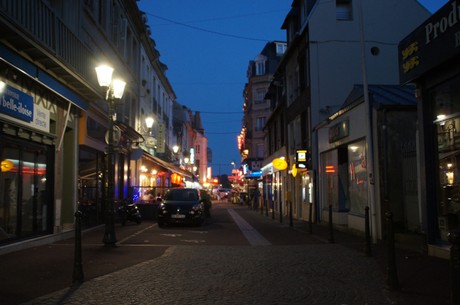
(114, 90)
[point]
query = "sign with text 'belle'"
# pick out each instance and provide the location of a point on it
(17, 104)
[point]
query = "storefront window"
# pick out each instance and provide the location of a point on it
(24, 196)
(447, 122)
(330, 180)
(357, 176)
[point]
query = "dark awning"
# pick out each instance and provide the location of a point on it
(168, 165)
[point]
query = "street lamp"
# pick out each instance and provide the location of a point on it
(149, 123)
(114, 90)
(175, 149)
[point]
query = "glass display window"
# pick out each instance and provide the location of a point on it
(447, 124)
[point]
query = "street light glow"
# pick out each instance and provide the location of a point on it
(104, 75)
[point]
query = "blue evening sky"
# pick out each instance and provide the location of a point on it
(207, 45)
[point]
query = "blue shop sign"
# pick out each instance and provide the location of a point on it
(17, 104)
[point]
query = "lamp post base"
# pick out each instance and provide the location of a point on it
(109, 239)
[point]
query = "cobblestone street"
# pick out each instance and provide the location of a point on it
(312, 274)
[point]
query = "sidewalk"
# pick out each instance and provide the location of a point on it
(423, 279)
(28, 274)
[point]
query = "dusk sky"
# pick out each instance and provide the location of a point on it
(207, 46)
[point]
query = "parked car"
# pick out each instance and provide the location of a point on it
(223, 193)
(181, 205)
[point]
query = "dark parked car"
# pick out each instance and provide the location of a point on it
(181, 205)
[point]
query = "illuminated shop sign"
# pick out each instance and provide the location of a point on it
(16, 104)
(432, 43)
(303, 159)
(19, 107)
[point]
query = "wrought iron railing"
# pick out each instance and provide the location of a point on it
(40, 21)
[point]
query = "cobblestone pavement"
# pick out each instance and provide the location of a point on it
(302, 274)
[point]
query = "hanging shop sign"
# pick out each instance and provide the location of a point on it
(161, 138)
(279, 164)
(303, 159)
(294, 170)
(7, 165)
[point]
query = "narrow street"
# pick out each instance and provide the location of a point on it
(239, 256)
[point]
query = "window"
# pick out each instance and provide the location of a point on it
(260, 123)
(260, 95)
(260, 67)
(280, 48)
(344, 10)
(260, 150)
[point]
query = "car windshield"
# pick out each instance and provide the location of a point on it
(182, 195)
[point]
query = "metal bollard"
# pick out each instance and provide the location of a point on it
(367, 232)
(454, 239)
(310, 218)
(331, 226)
(392, 273)
(78, 276)
(281, 212)
(266, 207)
(291, 220)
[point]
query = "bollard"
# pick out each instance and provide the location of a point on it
(367, 232)
(331, 226)
(78, 276)
(392, 273)
(273, 210)
(454, 239)
(281, 212)
(310, 218)
(291, 220)
(266, 207)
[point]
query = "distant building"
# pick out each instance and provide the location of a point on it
(256, 107)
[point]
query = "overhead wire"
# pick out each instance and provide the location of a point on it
(206, 30)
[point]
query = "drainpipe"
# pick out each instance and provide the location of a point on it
(369, 137)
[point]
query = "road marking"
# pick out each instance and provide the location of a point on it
(254, 237)
(172, 235)
(136, 233)
(194, 241)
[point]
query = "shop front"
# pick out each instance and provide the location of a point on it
(343, 176)
(372, 168)
(38, 142)
(430, 58)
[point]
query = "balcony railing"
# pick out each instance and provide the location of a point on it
(40, 24)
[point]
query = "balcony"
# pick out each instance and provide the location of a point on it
(32, 29)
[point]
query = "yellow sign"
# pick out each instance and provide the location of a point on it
(279, 164)
(7, 165)
(294, 170)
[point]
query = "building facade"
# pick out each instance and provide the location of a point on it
(331, 47)
(431, 60)
(252, 142)
(54, 121)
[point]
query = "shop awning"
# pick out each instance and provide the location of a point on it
(130, 133)
(167, 165)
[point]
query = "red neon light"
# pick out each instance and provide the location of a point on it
(330, 169)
